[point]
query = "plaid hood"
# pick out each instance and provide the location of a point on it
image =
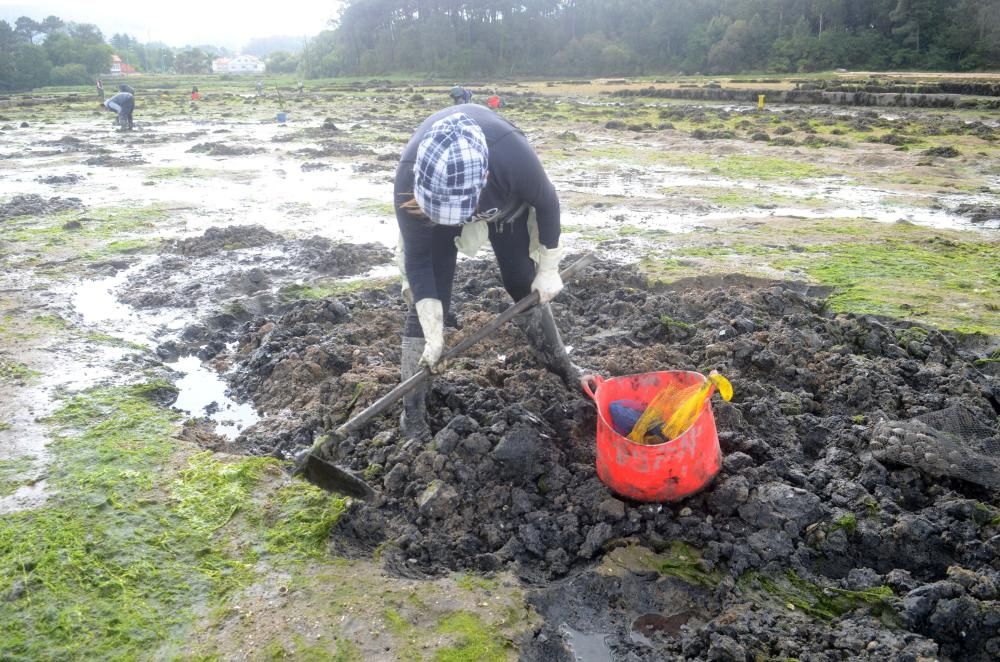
(450, 170)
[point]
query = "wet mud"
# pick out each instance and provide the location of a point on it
(231, 275)
(817, 97)
(846, 523)
(36, 205)
(508, 480)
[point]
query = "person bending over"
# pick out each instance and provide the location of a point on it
(467, 176)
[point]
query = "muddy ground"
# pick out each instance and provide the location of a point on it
(509, 480)
(856, 514)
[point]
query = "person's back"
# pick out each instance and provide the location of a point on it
(122, 100)
(123, 104)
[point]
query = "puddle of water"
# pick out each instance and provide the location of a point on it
(98, 307)
(585, 647)
(644, 627)
(203, 394)
(26, 497)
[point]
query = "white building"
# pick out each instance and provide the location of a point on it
(241, 64)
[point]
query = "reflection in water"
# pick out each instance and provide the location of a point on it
(203, 394)
(585, 647)
(644, 627)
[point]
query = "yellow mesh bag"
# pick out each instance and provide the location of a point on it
(675, 409)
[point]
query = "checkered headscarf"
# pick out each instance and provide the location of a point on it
(450, 170)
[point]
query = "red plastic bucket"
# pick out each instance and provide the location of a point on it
(662, 472)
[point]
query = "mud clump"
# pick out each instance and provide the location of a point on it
(946, 152)
(224, 239)
(330, 148)
(508, 479)
(35, 205)
(117, 160)
(222, 149)
(60, 179)
(979, 213)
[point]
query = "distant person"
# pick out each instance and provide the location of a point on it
(494, 102)
(195, 95)
(123, 104)
(260, 88)
(460, 94)
(126, 88)
(100, 90)
(301, 87)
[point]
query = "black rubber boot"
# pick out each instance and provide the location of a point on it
(546, 344)
(413, 420)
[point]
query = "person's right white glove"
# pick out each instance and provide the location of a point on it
(431, 315)
(547, 281)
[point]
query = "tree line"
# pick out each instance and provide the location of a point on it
(54, 52)
(463, 38)
(636, 37)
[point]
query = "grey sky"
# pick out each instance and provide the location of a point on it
(182, 22)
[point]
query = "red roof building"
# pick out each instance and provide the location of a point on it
(119, 68)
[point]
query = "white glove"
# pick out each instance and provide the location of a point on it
(547, 281)
(431, 315)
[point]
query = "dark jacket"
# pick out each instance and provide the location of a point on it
(125, 100)
(515, 175)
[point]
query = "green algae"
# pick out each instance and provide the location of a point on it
(94, 224)
(14, 372)
(475, 583)
(765, 168)
(820, 602)
(945, 279)
(298, 521)
(110, 567)
(326, 289)
(848, 523)
(58, 242)
(476, 641)
(132, 544)
(684, 562)
(301, 650)
(12, 472)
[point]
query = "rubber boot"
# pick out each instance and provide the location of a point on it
(413, 420)
(546, 344)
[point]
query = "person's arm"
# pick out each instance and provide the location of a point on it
(418, 238)
(528, 182)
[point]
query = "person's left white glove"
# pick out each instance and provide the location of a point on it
(548, 283)
(430, 312)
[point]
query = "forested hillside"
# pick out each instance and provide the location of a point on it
(627, 37)
(592, 38)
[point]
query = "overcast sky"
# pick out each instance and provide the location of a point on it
(185, 22)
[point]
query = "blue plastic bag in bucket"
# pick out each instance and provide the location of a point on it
(282, 116)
